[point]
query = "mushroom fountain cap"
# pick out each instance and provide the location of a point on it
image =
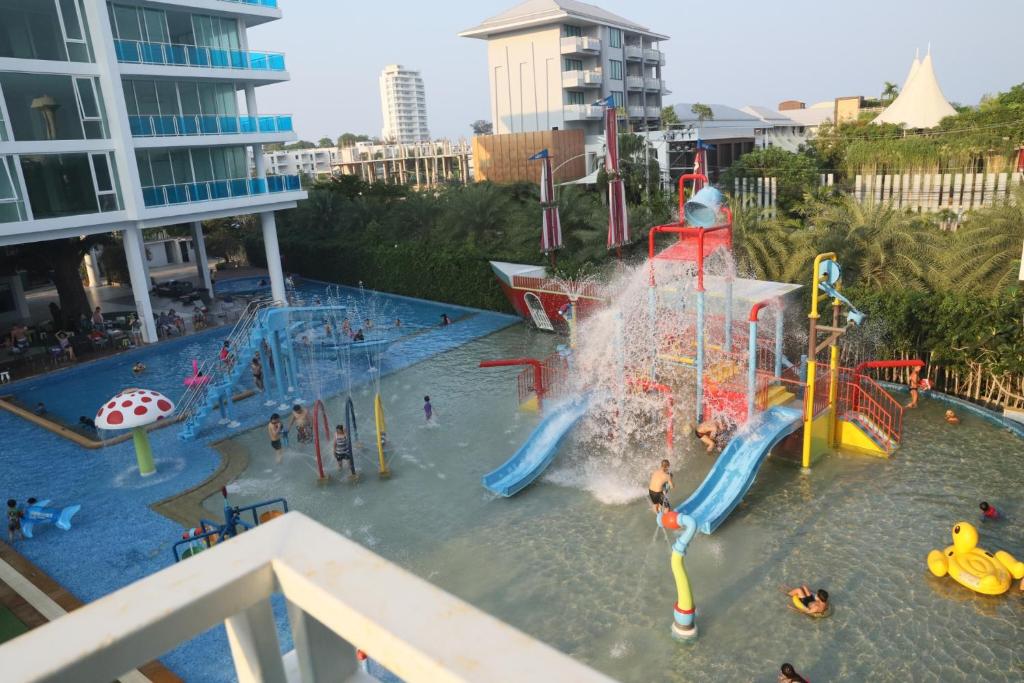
(133, 408)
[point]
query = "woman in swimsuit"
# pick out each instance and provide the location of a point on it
(913, 384)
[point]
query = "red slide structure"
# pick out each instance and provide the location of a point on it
(538, 372)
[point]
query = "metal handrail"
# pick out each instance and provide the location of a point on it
(177, 54)
(213, 190)
(174, 125)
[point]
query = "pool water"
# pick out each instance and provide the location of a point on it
(576, 560)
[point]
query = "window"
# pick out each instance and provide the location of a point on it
(573, 31)
(614, 37)
(70, 184)
(575, 97)
(617, 99)
(138, 23)
(12, 207)
(573, 64)
(44, 29)
(50, 107)
(616, 69)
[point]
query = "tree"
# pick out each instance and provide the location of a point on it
(985, 257)
(703, 112)
(669, 117)
(301, 144)
(890, 91)
(481, 127)
(795, 174)
(761, 246)
(325, 142)
(350, 139)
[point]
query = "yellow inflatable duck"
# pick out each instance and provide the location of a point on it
(970, 566)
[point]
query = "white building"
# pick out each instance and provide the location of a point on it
(403, 102)
(550, 60)
(122, 116)
(316, 162)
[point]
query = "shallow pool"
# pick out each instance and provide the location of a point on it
(575, 560)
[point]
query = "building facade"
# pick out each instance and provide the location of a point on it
(549, 61)
(403, 102)
(317, 162)
(121, 116)
(420, 164)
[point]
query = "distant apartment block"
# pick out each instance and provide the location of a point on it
(420, 164)
(403, 102)
(315, 162)
(550, 60)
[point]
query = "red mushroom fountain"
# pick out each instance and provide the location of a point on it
(134, 409)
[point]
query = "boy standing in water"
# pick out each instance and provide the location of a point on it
(274, 429)
(14, 515)
(428, 410)
(343, 451)
(661, 479)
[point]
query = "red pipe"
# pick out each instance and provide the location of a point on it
(874, 364)
(319, 409)
(682, 194)
(538, 371)
(686, 231)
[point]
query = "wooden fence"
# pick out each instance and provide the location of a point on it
(933, 192)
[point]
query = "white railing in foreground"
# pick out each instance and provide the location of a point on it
(340, 596)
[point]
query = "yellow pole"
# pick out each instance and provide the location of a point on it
(812, 342)
(378, 414)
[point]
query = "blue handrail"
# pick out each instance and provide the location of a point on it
(142, 52)
(163, 126)
(187, 193)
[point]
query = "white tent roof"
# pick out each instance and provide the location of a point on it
(921, 104)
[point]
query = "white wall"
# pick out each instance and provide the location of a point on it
(525, 69)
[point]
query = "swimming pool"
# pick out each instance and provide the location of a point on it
(575, 560)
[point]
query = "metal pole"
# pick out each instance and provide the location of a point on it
(751, 369)
(700, 355)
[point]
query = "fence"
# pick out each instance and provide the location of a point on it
(934, 192)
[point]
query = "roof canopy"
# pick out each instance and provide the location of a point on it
(542, 12)
(921, 104)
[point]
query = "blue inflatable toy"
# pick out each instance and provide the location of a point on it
(38, 513)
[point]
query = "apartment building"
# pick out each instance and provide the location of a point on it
(126, 115)
(403, 102)
(316, 162)
(550, 60)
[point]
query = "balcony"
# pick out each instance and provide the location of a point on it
(654, 112)
(174, 126)
(634, 82)
(655, 56)
(655, 84)
(635, 111)
(580, 45)
(189, 193)
(339, 596)
(261, 3)
(168, 54)
(583, 112)
(581, 79)
(634, 53)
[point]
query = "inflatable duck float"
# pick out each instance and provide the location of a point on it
(970, 566)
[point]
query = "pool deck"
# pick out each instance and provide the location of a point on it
(36, 599)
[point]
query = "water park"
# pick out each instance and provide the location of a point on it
(528, 453)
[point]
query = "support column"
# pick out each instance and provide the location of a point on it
(202, 263)
(92, 267)
(252, 636)
(273, 251)
(133, 253)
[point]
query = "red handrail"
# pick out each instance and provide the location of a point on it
(686, 231)
(538, 371)
(874, 364)
(682, 191)
(318, 410)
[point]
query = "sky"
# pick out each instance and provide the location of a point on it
(756, 52)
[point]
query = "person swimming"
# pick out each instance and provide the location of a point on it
(661, 481)
(988, 511)
(138, 368)
(951, 418)
(787, 674)
(814, 603)
(706, 432)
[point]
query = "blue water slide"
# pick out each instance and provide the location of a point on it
(539, 450)
(733, 473)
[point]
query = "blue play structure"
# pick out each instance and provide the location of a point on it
(538, 450)
(38, 513)
(283, 331)
(735, 469)
(209, 532)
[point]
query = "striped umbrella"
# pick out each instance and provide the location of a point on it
(551, 231)
(618, 221)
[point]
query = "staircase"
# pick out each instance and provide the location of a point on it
(874, 431)
(200, 400)
(777, 395)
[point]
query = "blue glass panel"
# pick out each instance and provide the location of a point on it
(258, 61)
(199, 192)
(208, 125)
(292, 182)
(237, 59)
(277, 62)
(197, 56)
(218, 189)
(127, 51)
(257, 186)
(239, 187)
(177, 194)
(152, 53)
(274, 183)
(267, 124)
(284, 124)
(247, 124)
(219, 58)
(177, 54)
(153, 196)
(140, 126)
(164, 125)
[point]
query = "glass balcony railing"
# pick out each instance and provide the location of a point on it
(168, 54)
(261, 3)
(189, 193)
(173, 126)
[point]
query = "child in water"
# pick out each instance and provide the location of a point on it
(138, 368)
(951, 418)
(428, 410)
(14, 515)
(988, 511)
(343, 451)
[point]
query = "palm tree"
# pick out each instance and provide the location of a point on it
(986, 250)
(890, 91)
(877, 244)
(760, 244)
(703, 112)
